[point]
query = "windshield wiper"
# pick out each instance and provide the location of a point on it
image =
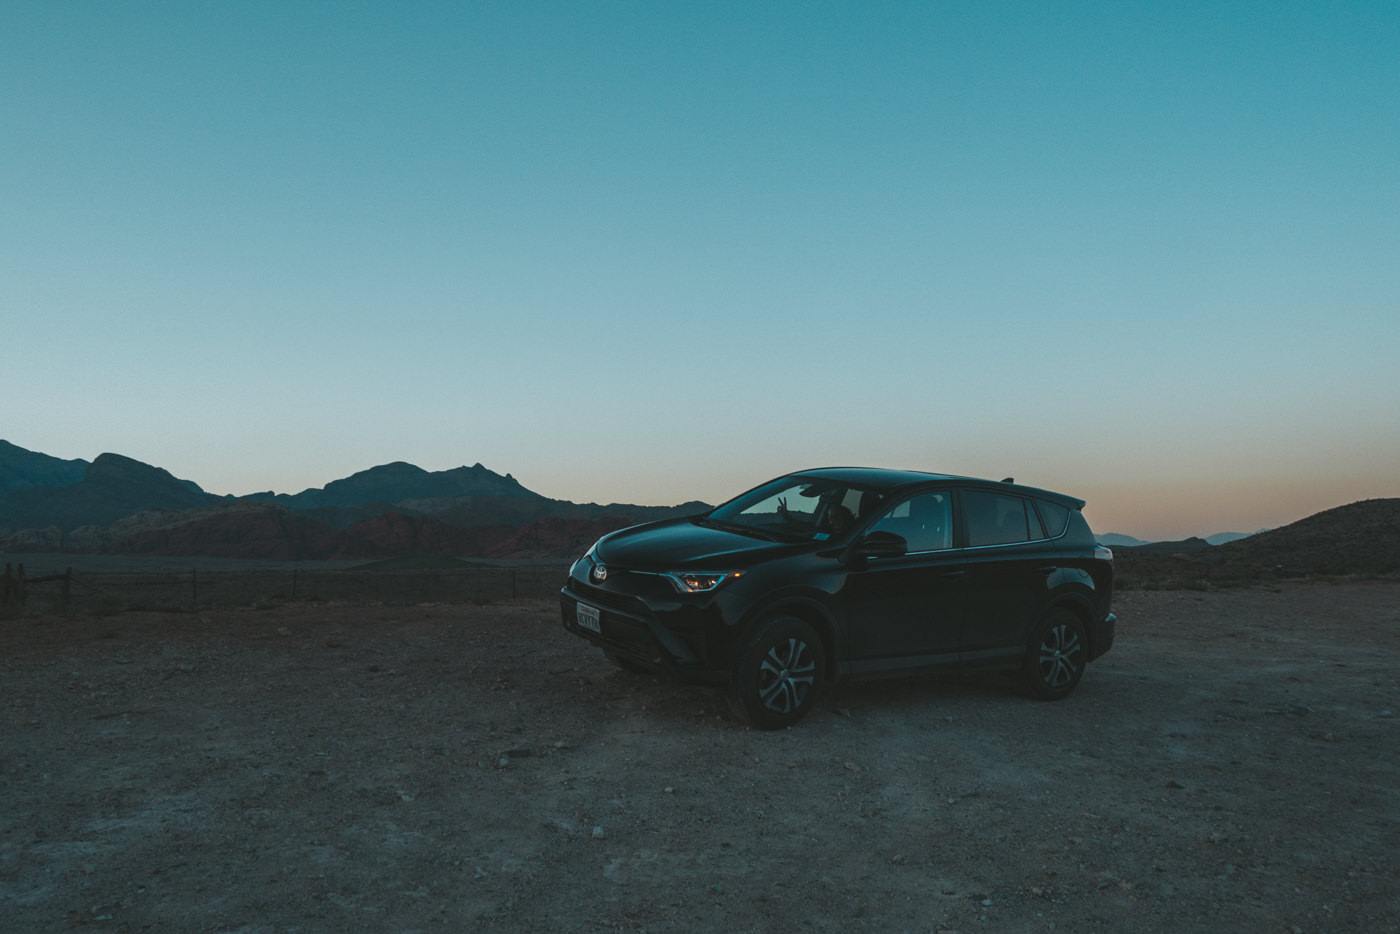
(769, 535)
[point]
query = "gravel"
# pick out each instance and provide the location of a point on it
(1230, 765)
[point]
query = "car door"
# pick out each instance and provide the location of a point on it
(1007, 568)
(906, 610)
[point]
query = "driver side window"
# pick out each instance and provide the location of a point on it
(924, 521)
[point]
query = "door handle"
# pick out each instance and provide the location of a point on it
(1048, 569)
(954, 575)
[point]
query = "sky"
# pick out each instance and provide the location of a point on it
(1147, 254)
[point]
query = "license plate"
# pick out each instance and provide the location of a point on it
(589, 617)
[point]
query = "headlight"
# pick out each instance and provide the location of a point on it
(699, 581)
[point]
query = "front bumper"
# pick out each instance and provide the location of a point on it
(666, 635)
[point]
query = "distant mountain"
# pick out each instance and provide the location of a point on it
(1169, 548)
(24, 470)
(112, 487)
(120, 505)
(1114, 540)
(398, 482)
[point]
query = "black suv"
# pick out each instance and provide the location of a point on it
(850, 572)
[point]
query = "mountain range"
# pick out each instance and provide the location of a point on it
(115, 504)
(1115, 540)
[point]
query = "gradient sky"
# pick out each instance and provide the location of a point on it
(1147, 254)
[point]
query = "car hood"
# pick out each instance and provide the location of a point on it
(680, 544)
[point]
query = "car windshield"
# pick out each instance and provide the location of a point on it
(798, 509)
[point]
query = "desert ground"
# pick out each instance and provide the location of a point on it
(1233, 764)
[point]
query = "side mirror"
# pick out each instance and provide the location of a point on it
(880, 545)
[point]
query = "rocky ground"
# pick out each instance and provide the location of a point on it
(1232, 765)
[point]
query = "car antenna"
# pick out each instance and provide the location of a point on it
(1008, 480)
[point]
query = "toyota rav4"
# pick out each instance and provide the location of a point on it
(848, 572)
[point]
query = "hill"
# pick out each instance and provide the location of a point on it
(1359, 539)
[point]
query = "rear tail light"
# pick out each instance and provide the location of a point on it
(1103, 554)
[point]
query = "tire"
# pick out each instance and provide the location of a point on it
(1056, 656)
(626, 664)
(778, 674)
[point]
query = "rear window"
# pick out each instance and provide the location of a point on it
(1056, 517)
(994, 518)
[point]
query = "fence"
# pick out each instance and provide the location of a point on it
(14, 586)
(104, 592)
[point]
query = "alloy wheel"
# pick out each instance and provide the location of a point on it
(786, 674)
(1059, 656)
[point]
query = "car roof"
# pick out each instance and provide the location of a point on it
(886, 480)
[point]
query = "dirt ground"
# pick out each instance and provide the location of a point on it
(1232, 765)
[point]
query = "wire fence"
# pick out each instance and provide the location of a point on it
(184, 590)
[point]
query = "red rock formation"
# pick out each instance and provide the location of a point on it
(243, 531)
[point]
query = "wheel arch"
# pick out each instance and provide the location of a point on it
(812, 612)
(1082, 607)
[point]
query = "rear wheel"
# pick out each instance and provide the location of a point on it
(1056, 656)
(778, 673)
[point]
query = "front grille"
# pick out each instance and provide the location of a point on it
(616, 601)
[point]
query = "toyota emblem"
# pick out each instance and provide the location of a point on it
(600, 572)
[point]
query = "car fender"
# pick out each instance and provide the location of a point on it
(806, 603)
(1080, 602)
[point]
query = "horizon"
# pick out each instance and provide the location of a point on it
(1272, 507)
(1145, 256)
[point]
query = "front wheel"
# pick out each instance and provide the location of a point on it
(1056, 656)
(777, 674)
